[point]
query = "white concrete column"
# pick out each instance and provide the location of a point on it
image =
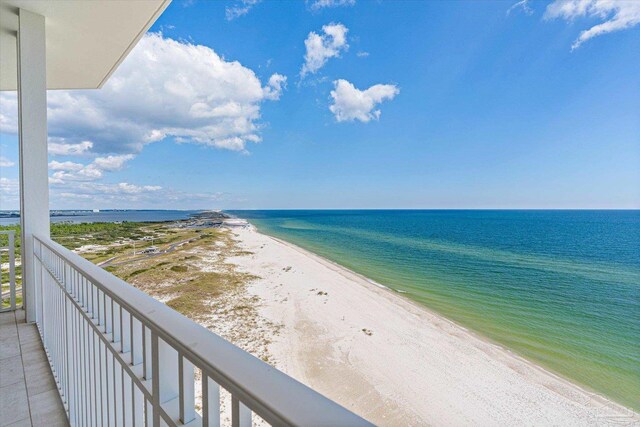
(32, 114)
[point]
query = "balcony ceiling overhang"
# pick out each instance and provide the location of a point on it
(86, 39)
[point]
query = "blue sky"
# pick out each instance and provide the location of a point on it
(386, 105)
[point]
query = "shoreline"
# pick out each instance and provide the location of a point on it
(401, 294)
(533, 393)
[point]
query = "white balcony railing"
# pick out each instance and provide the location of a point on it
(120, 357)
(8, 273)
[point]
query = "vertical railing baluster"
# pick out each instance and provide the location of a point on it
(147, 368)
(240, 414)
(83, 371)
(124, 331)
(210, 402)
(137, 351)
(155, 375)
(71, 374)
(93, 301)
(107, 382)
(235, 412)
(117, 398)
(115, 308)
(168, 373)
(96, 379)
(104, 312)
(148, 412)
(127, 399)
(12, 271)
(138, 406)
(76, 366)
(107, 314)
(112, 392)
(67, 356)
(101, 376)
(81, 290)
(187, 391)
(85, 297)
(87, 362)
(131, 338)
(181, 387)
(38, 297)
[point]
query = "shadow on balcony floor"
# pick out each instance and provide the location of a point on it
(28, 393)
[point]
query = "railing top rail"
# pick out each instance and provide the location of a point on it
(7, 231)
(270, 393)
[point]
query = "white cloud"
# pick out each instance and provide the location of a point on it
(362, 54)
(65, 172)
(273, 90)
(112, 163)
(8, 185)
(616, 15)
(350, 103)
(89, 195)
(8, 112)
(522, 4)
(94, 194)
(320, 48)
(88, 173)
(321, 4)
(5, 163)
(164, 88)
(240, 8)
(127, 188)
(65, 166)
(72, 149)
(102, 189)
(8, 193)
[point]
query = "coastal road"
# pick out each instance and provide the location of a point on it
(172, 247)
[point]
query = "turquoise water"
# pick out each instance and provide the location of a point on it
(561, 288)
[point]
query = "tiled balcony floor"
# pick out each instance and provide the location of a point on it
(28, 393)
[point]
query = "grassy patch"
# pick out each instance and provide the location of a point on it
(136, 272)
(177, 275)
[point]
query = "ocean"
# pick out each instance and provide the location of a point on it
(561, 288)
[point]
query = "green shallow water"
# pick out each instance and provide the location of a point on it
(561, 288)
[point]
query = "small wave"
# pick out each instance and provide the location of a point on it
(380, 285)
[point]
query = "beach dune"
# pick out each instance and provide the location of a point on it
(393, 361)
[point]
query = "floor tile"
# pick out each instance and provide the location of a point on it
(47, 409)
(28, 392)
(28, 333)
(25, 422)
(7, 318)
(33, 356)
(11, 371)
(14, 405)
(9, 347)
(39, 378)
(7, 331)
(32, 346)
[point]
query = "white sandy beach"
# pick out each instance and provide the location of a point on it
(393, 361)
